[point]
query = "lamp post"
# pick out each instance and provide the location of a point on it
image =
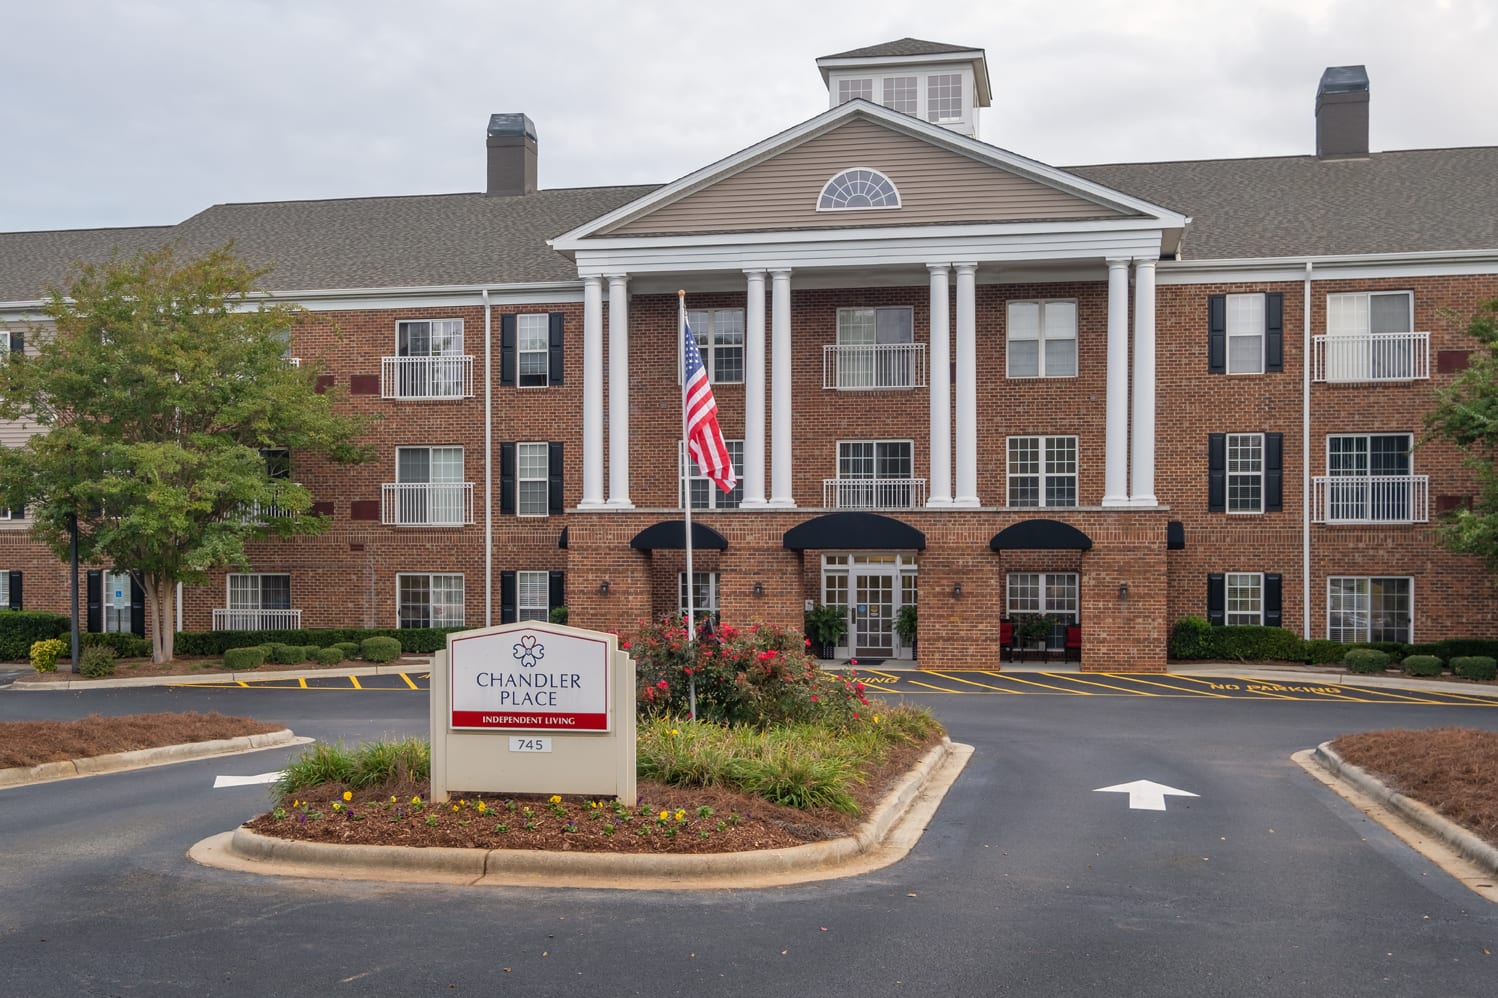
(73, 561)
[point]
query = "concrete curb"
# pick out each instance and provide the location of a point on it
(1420, 815)
(117, 762)
(200, 679)
(874, 845)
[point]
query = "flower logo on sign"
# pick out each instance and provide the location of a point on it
(528, 652)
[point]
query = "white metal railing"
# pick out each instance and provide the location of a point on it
(1371, 357)
(1370, 499)
(257, 620)
(437, 504)
(870, 367)
(873, 493)
(259, 512)
(426, 377)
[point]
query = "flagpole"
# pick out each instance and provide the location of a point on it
(686, 489)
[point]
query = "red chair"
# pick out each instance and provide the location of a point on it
(1006, 639)
(1073, 642)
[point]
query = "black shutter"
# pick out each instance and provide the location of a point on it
(554, 351)
(1274, 332)
(95, 600)
(18, 513)
(554, 478)
(137, 608)
(1273, 583)
(15, 590)
(1217, 472)
(558, 590)
(506, 479)
(1274, 472)
(507, 362)
(1217, 334)
(507, 613)
(1216, 598)
(17, 342)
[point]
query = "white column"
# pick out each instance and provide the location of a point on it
(941, 388)
(592, 393)
(967, 385)
(754, 389)
(1116, 428)
(619, 392)
(780, 390)
(1142, 471)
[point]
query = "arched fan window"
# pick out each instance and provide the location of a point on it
(856, 189)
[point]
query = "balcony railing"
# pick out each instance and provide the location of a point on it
(873, 493)
(1372, 357)
(441, 504)
(426, 377)
(257, 620)
(873, 367)
(258, 513)
(1370, 499)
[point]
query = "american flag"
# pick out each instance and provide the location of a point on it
(704, 439)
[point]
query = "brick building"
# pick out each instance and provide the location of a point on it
(948, 374)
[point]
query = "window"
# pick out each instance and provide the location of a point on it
(900, 94)
(5, 590)
(429, 338)
(533, 348)
(1245, 332)
(1042, 471)
(874, 347)
(1376, 480)
(1042, 339)
(1360, 608)
(875, 474)
(850, 89)
(429, 600)
(1245, 473)
(429, 486)
(704, 594)
(1245, 598)
(533, 595)
(857, 189)
(1051, 593)
(944, 97)
(720, 339)
(705, 494)
(118, 602)
(531, 469)
(259, 592)
(1368, 336)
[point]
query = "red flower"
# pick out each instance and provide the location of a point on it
(813, 698)
(624, 645)
(663, 685)
(687, 670)
(808, 642)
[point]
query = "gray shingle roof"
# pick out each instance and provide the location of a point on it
(899, 47)
(31, 262)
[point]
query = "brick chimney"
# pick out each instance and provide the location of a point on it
(512, 155)
(1342, 113)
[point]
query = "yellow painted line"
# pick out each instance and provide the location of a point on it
(1485, 701)
(939, 689)
(1045, 686)
(1262, 694)
(302, 681)
(893, 677)
(244, 684)
(1397, 697)
(1166, 686)
(1105, 686)
(355, 681)
(969, 682)
(408, 681)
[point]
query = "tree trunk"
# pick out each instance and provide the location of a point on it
(159, 617)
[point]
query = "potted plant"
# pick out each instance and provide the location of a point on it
(1034, 630)
(824, 626)
(905, 625)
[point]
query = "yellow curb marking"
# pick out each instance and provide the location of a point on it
(355, 681)
(302, 681)
(408, 681)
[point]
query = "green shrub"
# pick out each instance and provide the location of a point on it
(1479, 667)
(1320, 651)
(1421, 665)
(44, 654)
(558, 615)
(754, 675)
(20, 629)
(286, 654)
(328, 656)
(1194, 638)
(309, 652)
(123, 645)
(414, 640)
(244, 658)
(1429, 648)
(1369, 661)
(1450, 648)
(350, 649)
(379, 649)
(408, 760)
(1396, 650)
(96, 662)
(1190, 638)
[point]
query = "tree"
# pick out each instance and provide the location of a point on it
(1466, 414)
(156, 385)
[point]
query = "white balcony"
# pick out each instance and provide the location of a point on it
(440, 504)
(258, 513)
(874, 493)
(1370, 499)
(257, 620)
(426, 377)
(873, 367)
(1372, 357)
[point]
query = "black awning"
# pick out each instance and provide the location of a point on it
(562, 538)
(1175, 536)
(857, 531)
(673, 534)
(1045, 535)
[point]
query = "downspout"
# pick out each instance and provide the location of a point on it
(1305, 462)
(488, 462)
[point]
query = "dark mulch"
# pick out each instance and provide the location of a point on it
(733, 822)
(29, 743)
(1453, 770)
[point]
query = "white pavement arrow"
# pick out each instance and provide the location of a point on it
(1145, 795)
(245, 781)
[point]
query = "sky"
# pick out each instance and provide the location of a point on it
(144, 112)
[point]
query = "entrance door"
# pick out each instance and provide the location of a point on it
(874, 614)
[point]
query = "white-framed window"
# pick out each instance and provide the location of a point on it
(1051, 593)
(532, 473)
(532, 595)
(874, 459)
(874, 347)
(5, 341)
(1245, 334)
(434, 491)
(1042, 339)
(704, 594)
(1364, 313)
(901, 94)
(433, 600)
(423, 375)
(944, 97)
(705, 494)
(1245, 473)
(429, 337)
(1376, 470)
(1042, 471)
(533, 350)
(1370, 608)
(1244, 593)
(1370, 336)
(259, 591)
(720, 339)
(851, 89)
(858, 189)
(4, 589)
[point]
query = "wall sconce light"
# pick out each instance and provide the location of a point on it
(956, 589)
(603, 588)
(1123, 592)
(759, 589)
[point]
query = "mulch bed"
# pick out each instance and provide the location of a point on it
(1453, 770)
(30, 743)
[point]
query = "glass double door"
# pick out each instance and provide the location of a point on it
(873, 624)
